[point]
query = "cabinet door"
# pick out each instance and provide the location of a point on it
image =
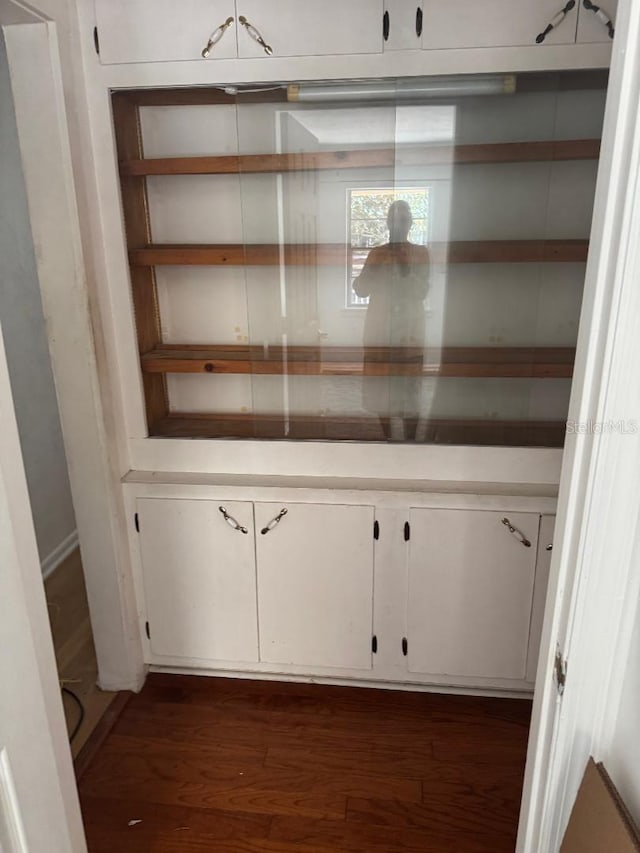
(315, 584)
(199, 579)
(309, 28)
(592, 25)
(494, 23)
(164, 30)
(470, 592)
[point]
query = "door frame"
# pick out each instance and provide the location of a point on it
(594, 580)
(94, 460)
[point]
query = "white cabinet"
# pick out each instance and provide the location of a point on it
(427, 595)
(470, 592)
(593, 18)
(313, 600)
(165, 30)
(494, 23)
(199, 579)
(315, 584)
(309, 28)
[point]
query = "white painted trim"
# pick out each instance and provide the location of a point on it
(59, 554)
(593, 571)
(404, 687)
(94, 470)
(11, 826)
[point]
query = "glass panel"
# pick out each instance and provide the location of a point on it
(384, 263)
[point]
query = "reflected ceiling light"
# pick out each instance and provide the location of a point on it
(401, 90)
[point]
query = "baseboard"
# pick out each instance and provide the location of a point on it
(53, 560)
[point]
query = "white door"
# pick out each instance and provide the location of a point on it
(495, 23)
(315, 584)
(309, 28)
(470, 592)
(164, 30)
(38, 800)
(593, 22)
(199, 579)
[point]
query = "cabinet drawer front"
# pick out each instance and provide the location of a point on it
(315, 585)
(199, 579)
(494, 23)
(163, 30)
(309, 28)
(470, 592)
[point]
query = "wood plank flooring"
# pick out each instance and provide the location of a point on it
(208, 764)
(75, 653)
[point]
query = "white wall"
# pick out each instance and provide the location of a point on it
(27, 349)
(623, 755)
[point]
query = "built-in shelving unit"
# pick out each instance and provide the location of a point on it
(160, 359)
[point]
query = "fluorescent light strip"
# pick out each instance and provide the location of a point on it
(419, 87)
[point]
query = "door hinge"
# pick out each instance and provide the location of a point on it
(560, 670)
(96, 40)
(376, 530)
(405, 646)
(374, 644)
(147, 630)
(407, 531)
(137, 522)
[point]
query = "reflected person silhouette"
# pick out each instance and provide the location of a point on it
(395, 277)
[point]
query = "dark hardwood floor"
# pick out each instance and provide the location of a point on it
(208, 764)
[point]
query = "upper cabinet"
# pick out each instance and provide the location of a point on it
(163, 30)
(308, 28)
(596, 23)
(497, 23)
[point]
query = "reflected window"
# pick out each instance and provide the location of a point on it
(367, 211)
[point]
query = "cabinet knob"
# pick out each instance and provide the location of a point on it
(517, 533)
(419, 21)
(557, 19)
(274, 521)
(215, 37)
(385, 26)
(601, 15)
(231, 521)
(255, 35)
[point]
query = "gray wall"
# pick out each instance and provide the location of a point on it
(25, 339)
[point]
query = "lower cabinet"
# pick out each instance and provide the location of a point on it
(300, 578)
(289, 588)
(315, 584)
(471, 581)
(199, 578)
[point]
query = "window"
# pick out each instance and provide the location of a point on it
(367, 226)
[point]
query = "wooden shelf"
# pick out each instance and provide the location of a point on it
(336, 254)
(495, 362)
(367, 158)
(360, 428)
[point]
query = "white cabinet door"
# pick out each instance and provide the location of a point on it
(310, 28)
(199, 579)
(494, 23)
(592, 24)
(164, 30)
(315, 584)
(470, 593)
